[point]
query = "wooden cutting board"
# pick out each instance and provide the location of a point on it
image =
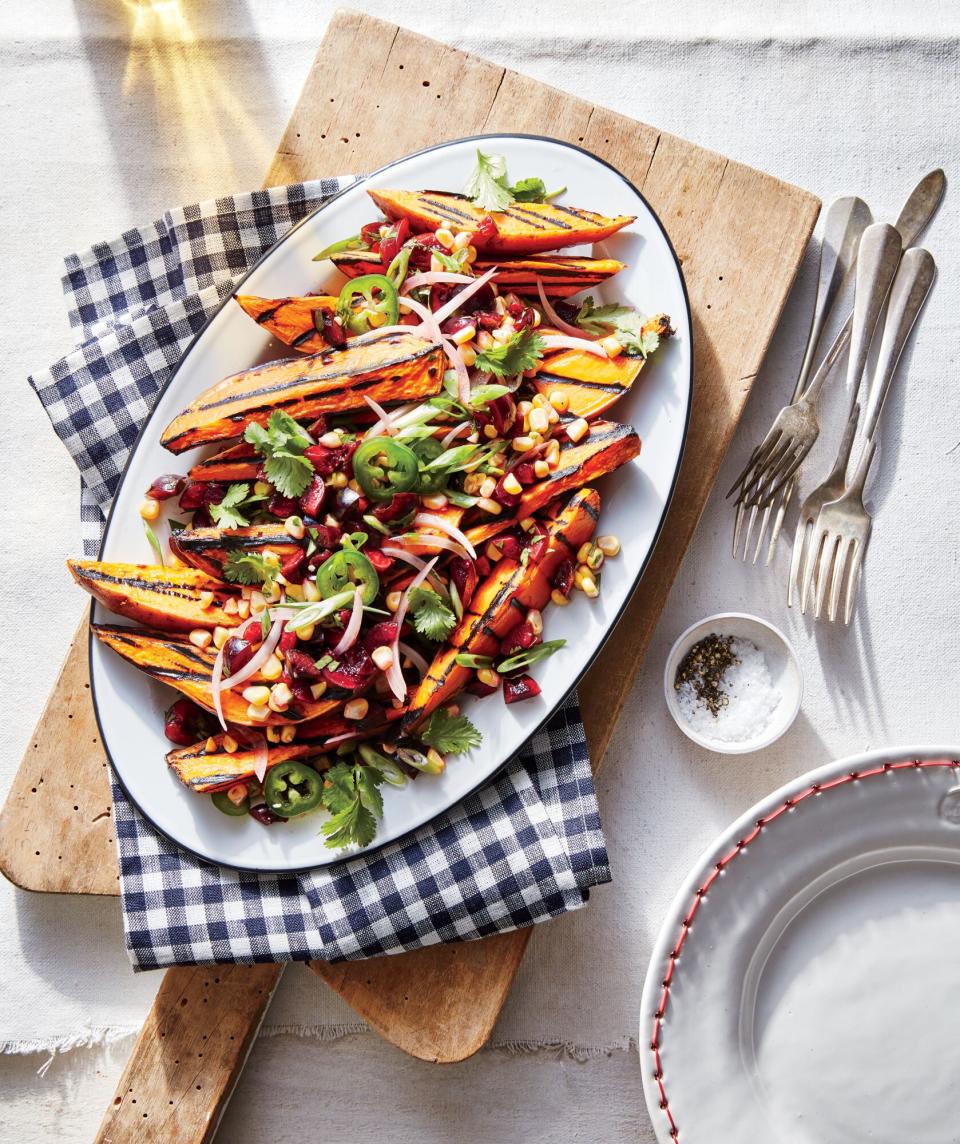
(740, 236)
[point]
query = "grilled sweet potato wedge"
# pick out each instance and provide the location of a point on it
(523, 228)
(500, 602)
(607, 446)
(292, 321)
(169, 598)
(592, 384)
(238, 463)
(207, 771)
(208, 548)
(174, 660)
(561, 275)
(389, 368)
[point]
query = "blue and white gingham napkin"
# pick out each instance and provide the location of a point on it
(525, 848)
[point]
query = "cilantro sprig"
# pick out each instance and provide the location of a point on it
(520, 352)
(250, 568)
(282, 445)
(232, 511)
(431, 615)
(450, 734)
(623, 321)
(489, 186)
(351, 794)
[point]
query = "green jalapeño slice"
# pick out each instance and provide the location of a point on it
(344, 571)
(368, 302)
(384, 466)
(292, 788)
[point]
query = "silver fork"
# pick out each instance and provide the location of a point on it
(845, 222)
(842, 531)
(914, 218)
(796, 427)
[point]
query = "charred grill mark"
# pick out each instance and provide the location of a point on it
(447, 211)
(301, 338)
(172, 673)
(531, 218)
(162, 588)
(306, 379)
(576, 212)
(267, 315)
(202, 544)
(605, 387)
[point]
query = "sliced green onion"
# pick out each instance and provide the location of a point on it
(465, 659)
(461, 500)
(154, 543)
(265, 624)
(354, 242)
(454, 458)
(314, 613)
(455, 601)
(529, 657)
(387, 767)
(375, 524)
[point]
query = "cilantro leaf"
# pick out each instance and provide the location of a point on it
(456, 262)
(250, 568)
(450, 734)
(638, 337)
(229, 512)
(520, 352)
(351, 794)
(531, 191)
(431, 616)
(487, 186)
(282, 445)
(483, 394)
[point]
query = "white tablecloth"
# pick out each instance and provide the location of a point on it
(109, 117)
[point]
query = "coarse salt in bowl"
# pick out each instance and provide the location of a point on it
(757, 699)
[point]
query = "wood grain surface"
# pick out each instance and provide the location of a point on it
(740, 236)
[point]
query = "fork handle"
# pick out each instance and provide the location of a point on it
(907, 296)
(880, 250)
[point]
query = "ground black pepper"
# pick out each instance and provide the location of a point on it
(703, 667)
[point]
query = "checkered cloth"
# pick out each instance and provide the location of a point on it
(525, 848)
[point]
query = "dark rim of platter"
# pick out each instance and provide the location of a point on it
(489, 777)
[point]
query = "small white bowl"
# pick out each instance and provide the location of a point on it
(782, 661)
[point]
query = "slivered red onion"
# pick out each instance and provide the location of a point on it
(352, 630)
(432, 276)
(429, 325)
(414, 656)
(429, 540)
(463, 374)
(251, 667)
(407, 557)
(342, 738)
(560, 342)
(451, 307)
(455, 432)
(555, 319)
(433, 521)
(386, 419)
(395, 674)
(382, 332)
(261, 753)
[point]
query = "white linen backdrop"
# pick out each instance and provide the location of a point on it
(104, 126)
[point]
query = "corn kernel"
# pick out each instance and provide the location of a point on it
(261, 489)
(462, 240)
(536, 317)
(436, 266)
(295, 592)
(317, 690)
(541, 468)
(272, 669)
(280, 697)
(288, 734)
(611, 345)
(583, 552)
(539, 421)
(257, 695)
(437, 762)
(210, 746)
(469, 355)
(488, 487)
(538, 401)
(258, 714)
(485, 339)
(293, 526)
(338, 480)
(311, 593)
(493, 551)
(489, 432)
(488, 677)
(271, 557)
(205, 600)
(150, 509)
(489, 506)
(201, 638)
(527, 523)
(273, 734)
(331, 440)
(523, 444)
(445, 237)
(230, 744)
(230, 607)
(383, 657)
(471, 255)
(512, 485)
(523, 408)
(375, 318)
(589, 588)
(306, 633)
(220, 637)
(393, 601)
(243, 609)
(463, 335)
(558, 598)
(559, 400)
(552, 454)
(578, 429)
(609, 545)
(238, 793)
(595, 558)
(552, 416)
(356, 709)
(257, 602)
(435, 501)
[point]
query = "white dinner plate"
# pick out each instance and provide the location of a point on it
(805, 987)
(634, 500)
